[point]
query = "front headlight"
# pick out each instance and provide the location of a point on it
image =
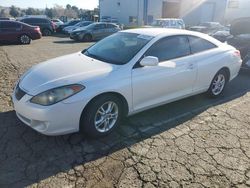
(55, 95)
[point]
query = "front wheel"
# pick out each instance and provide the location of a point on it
(218, 84)
(101, 116)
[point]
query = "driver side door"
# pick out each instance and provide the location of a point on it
(173, 78)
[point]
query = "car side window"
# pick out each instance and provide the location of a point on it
(10, 25)
(199, 45)
(100, 26)
(170, 48)
(111, 26)
(28, 21)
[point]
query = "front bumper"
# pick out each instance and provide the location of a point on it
(58, 119)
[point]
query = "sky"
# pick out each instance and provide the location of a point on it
(84, 4)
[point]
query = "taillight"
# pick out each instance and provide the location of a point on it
(37, 28)
(237, 53)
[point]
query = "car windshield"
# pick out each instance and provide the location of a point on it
(118, 48)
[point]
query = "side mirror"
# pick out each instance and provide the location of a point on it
(149, 61)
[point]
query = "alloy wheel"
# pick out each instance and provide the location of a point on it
(106, 117)
(25, 39)
(218, 84)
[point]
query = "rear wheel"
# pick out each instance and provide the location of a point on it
(24, 39)
(218, 84)
(46, 32)
(101, 116)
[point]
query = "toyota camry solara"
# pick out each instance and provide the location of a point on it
(123, 74)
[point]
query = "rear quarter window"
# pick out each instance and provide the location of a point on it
(198, 44)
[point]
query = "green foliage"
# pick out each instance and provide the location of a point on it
(55, 12)
(14, 11)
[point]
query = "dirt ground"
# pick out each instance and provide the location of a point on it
(195, 142)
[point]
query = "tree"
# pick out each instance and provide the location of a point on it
(32, 11)
(4, 13)
(58, 11)
(14, 11)
(49, 12)
(68, 6)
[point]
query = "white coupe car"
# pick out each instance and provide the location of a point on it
(121, 75)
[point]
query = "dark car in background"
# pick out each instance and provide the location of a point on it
(223, 34)
(47, 27)
(13, 31)
(69, 23)
(95, 31)
(240, 39)
(207, 27)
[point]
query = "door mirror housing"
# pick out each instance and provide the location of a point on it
(149, 61)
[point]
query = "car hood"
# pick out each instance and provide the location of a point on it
(65, 70)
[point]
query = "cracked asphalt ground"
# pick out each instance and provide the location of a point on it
(196, 142)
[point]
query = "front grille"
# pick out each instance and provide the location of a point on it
(19, 93)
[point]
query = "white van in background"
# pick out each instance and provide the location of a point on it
(168, 23)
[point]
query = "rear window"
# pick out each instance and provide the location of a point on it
(199, 45)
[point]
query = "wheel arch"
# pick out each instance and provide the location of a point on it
(227, 70)
(112, 93)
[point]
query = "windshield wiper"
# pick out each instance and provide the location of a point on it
(87, 53)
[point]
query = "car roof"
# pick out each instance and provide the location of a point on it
(164, 32)
(154, 32)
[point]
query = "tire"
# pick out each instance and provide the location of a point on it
(46, 32)
(98, 111)
(218, 84)
(24, 39)
(87, 38)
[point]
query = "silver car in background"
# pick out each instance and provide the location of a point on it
(95, 31)
(69, 29)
